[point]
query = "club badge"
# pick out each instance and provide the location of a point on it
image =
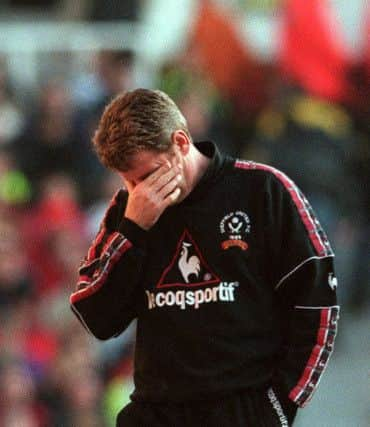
(234, 226)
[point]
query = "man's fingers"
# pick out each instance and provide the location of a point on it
(175, 195)
(165, 179)
(169, 187)
(128, 185)
(172, 197)
(158, 173)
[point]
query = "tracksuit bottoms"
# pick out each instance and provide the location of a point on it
(250, 408)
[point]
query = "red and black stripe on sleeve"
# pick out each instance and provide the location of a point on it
(104, 252)
(315, 232)
(319, 356)
(314, 322)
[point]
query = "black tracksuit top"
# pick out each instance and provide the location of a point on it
(232, 288)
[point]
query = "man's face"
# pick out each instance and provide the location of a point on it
(146, 162)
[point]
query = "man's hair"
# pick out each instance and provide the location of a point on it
(136, 121)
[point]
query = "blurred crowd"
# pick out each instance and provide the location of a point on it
(53, 193)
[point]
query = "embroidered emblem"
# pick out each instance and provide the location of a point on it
(187, 267)
(188, 282)
(235, 226)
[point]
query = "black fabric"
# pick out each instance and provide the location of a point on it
(255, 408)
(133, 232)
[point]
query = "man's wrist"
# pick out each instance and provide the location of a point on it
(136, 234)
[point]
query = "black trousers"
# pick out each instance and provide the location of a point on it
(251, 408)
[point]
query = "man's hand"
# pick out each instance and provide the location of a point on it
(148, 199)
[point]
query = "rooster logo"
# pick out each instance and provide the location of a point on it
(188, 265)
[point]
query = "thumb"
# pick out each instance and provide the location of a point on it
(128, 185)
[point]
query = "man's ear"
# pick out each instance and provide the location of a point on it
(181, 141)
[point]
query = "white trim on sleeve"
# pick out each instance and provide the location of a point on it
(298, 267)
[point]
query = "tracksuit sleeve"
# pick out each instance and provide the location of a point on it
(106, 295)
(304, 282)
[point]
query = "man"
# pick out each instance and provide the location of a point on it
(225, 267)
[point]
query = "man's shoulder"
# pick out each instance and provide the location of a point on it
(252, 169)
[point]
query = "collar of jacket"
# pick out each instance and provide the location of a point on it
(213, 170)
